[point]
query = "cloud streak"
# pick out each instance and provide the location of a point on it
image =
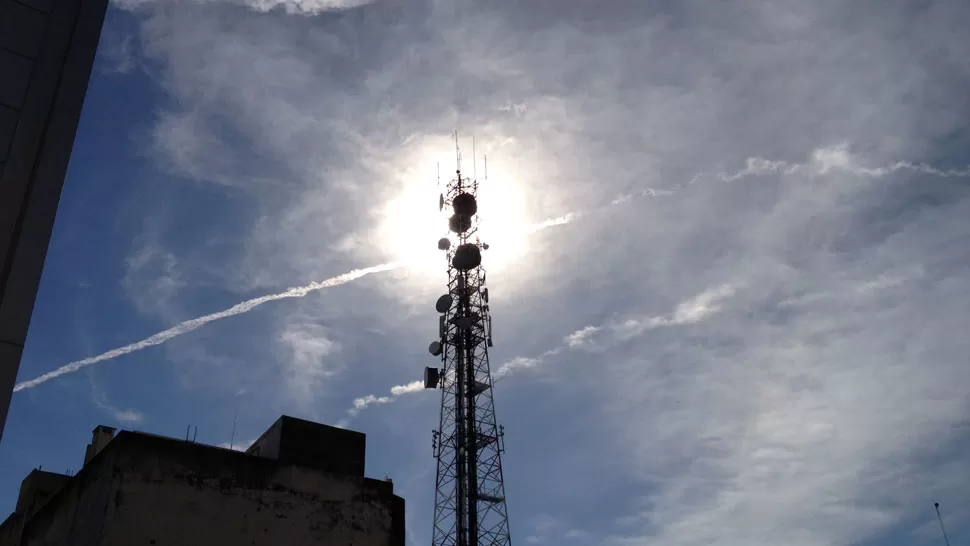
(690, 311)
(126, 416)
(299, 7)
(245, 307)
(364, 402)
(189, 325)
(822, 161)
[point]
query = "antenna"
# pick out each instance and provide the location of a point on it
(457, 154)
(195, 433)
(470, 507)
(232, 437)
(486, 166)
(942, 528)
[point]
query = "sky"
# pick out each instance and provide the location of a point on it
(729, 270)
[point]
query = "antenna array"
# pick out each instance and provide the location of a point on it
(470, 507)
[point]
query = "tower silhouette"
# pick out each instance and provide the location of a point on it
(469, 507)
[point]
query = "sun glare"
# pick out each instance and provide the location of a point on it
(412, 224)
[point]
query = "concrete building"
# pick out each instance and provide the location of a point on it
(301, 483)
(47, 49)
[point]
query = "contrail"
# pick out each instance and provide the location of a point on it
(690, 311)
(822, 161)
(364, 401)
(189, 325)
(245, 307)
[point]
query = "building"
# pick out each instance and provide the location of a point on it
(301, 483)
(47, 49)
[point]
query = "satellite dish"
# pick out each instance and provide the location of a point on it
(465, 204)
(467, 256)
(441, 201)
(435, 348)
(464, 322)
(459, 223)
(444, 303)
(484, 246)
(444, 243)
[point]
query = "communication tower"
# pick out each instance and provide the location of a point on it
(469, 507)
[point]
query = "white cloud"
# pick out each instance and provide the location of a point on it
(799, 409)
(581, 336)
(308, 359)
(236, 446)
(302, 7)
(690, 311)
(701, 306)
(118, 52)
(129, 417)
(121, 416)
(413, 386)
(152, 279)
(363, 402)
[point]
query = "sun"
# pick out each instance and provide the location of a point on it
(411, 223)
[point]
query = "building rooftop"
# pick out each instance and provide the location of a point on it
(296, 465)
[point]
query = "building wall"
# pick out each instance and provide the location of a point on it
(329, 448)
(148, 490)
(37, 488)
(268, 444)
(47, 48)
(300, 442)
(10, 530)
(75, 515)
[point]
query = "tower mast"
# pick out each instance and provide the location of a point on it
(469, 507)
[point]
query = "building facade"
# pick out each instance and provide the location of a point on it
(301, 483)
(47, 49)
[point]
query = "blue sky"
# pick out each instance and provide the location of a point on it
(729, 269)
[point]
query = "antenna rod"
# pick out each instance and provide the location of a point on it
(942, 528)
(232, 437)
(457, 152)
(474, 160)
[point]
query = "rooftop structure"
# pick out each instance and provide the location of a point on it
(300, 483)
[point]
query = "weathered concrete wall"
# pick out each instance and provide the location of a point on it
(268, 443)
(75, 515)
(329, 448)
(37, 488)
(305, 443)
(221, 497)
(47, 48)
(144, 489)
(10, 530)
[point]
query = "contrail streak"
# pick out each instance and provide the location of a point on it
(690, 311)
(189, 325)
(822, 161)
(244, 307)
